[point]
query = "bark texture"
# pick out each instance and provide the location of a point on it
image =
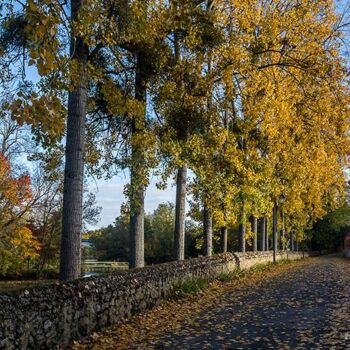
(291, 241)
(274, 231)
(224, 239)
(180, 214)
(262, 234)
(70, 258)
(181, 180)
(137, 195)
(242, 231)
(254, 222)
(283, 231)
(267, 244)
(208, 231)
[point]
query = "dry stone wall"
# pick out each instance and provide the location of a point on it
(50, 317)
(249, 259)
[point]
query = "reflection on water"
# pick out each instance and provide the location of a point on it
(93, 267)
(91, 273)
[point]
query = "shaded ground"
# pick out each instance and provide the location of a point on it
(303, 305)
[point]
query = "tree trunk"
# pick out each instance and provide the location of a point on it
(283, 231)
(291, 242)
(262, 234)
(242, 230)
(181, 181)
(267, 245)
(137, 190)
(180, 214)
(274, 231)
(207, 231)
(224, 239)
(70, 259)
(254, 222)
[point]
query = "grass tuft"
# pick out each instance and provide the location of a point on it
(231, 276)
(189, 287)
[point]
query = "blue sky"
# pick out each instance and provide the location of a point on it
(109, 195)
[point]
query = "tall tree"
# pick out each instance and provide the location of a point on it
(127, 59)
(17, 241)
(74, 165)
(181, 176)
(180, 99)
(137, 190)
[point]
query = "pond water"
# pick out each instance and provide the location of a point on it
(91, 273)
(93, 267)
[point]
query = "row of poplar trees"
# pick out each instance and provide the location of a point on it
(250, 96)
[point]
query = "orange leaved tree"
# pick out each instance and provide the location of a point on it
(17, 244)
